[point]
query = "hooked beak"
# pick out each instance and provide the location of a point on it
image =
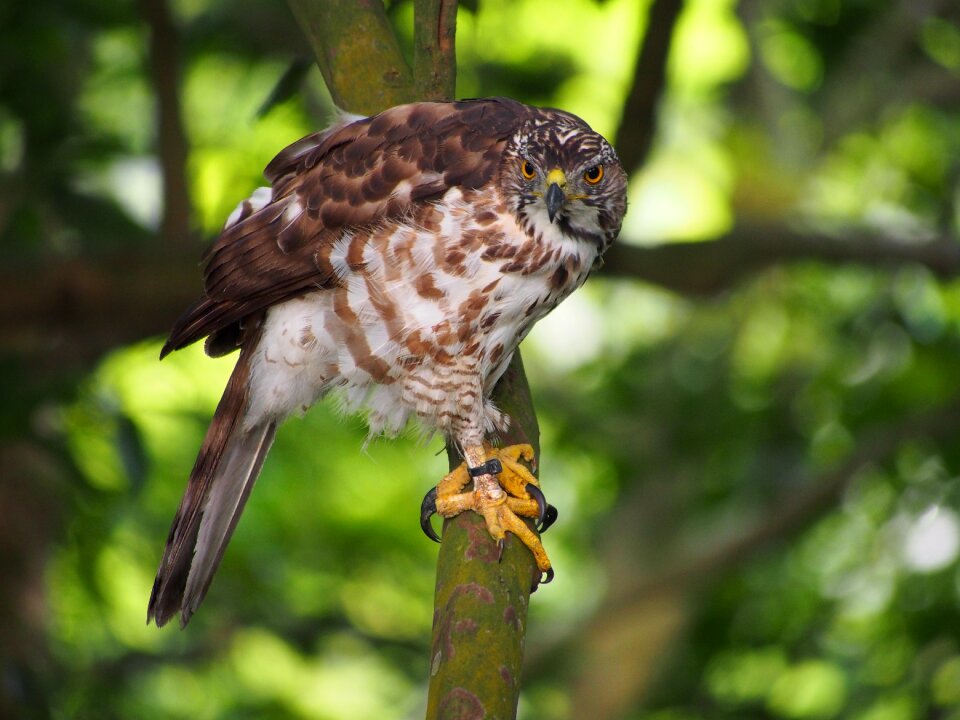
(555, 196)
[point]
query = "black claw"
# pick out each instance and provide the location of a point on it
(428, 508)
(546, 513)
(537, 494)
(550, 517)
(500, 544)
(541, 580)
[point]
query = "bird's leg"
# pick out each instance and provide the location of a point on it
(503, 491)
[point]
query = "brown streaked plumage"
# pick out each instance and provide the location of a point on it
(396, 261)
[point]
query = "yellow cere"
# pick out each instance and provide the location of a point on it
(556, 177)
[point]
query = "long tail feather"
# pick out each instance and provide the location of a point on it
(228, 496)
(227, 466)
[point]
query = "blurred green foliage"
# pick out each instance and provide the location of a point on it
(682, 438)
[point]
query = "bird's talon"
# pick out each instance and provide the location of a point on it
(541, 580)
(428, 508)
(504, 509)
(549, 518)
(537, 494)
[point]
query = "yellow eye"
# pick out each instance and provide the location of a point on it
(528, 170)
(594, 174)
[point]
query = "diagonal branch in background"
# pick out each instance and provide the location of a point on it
(798, 509)
(640, 620)
(638, 122)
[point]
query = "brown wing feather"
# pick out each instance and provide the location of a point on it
(370, 171)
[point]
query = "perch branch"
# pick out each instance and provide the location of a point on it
(480, 606)
(481, 602)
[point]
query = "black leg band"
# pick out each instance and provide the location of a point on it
(490, 467)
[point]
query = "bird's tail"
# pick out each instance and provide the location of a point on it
(226, 469)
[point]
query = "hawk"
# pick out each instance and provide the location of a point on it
(396, 261)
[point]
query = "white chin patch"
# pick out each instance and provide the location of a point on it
(585, 218)
(539, 217)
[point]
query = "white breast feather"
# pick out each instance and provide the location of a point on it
(289, 375)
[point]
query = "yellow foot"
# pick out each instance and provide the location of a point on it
(504, 490)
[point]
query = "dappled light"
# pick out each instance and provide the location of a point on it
(752, 442)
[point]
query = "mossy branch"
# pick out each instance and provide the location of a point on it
(481, 600)
(358, 53)
(480, 605)
(434, 49)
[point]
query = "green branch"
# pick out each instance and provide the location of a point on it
(357, 52)
(480, 604)
(434, 49)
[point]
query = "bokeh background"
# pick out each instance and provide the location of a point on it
(750, 415)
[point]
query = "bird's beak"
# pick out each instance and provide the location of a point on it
(555, 195)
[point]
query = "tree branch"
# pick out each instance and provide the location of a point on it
(638, 121)
(358, 53)
(481, 596)
(434, 50)
(640, 620)
(172, 144)
(797, 509)
(89, 305)
(62, 317)
(480, 606)
(711, 267)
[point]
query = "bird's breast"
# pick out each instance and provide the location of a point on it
(424, 317)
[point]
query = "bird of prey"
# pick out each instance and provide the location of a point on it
(396, 261)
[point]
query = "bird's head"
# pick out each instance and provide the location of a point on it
(558, 172)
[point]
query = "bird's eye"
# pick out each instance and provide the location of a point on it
(528, 170)
(594, 175)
